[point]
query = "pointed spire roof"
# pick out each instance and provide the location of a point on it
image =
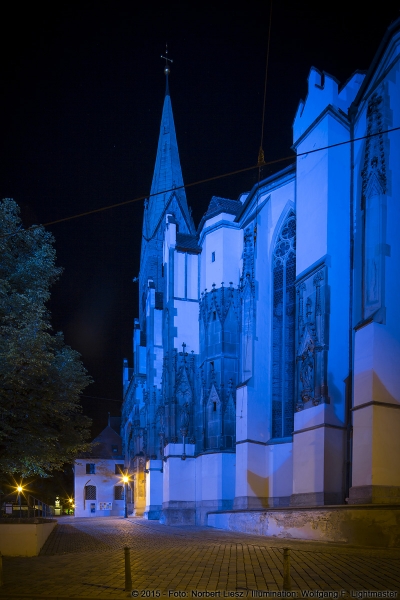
(167, 176)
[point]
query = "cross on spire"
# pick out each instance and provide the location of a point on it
(167, 60)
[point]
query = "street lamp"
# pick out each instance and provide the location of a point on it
(125, 479)
(19, 490)
(71, 505)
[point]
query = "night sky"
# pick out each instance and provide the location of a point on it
(82, 89)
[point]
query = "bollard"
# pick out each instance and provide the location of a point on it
(128, 578)
(286, 570)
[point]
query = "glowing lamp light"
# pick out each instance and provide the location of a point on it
(19, 489)
(125, 479)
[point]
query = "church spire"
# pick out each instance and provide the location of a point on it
(167, 176)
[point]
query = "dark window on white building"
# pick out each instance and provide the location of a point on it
(90, 469)
(212, 256)
(119, 469)
(90, 492)
(119, 492)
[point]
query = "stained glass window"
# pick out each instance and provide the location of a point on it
(283, 329)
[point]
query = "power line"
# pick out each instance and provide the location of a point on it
(229, 174)
(208, 179)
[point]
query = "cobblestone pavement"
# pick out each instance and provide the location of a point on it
(84, 558)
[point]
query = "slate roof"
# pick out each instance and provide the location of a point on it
(106, 441)
(220, 205)
(187, 243)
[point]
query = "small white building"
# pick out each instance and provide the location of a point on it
(99, 488)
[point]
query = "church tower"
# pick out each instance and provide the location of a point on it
(155, 335)
(167, 195)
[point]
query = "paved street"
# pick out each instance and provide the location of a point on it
(84, 558)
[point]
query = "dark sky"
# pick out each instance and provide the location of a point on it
(82, 88)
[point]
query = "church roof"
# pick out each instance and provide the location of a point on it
(167, 176)
(107, 444)
(187, 243)
(220, 205)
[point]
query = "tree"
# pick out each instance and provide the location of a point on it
(41, 378)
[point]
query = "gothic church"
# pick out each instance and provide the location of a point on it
(266, 371)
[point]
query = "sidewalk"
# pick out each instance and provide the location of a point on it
(84, 558)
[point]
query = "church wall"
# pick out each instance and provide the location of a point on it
(154, 339)
(179, 274)
(338, 272)
(270, 219)
(226, 243)
(323, 280)
(179, 485)
(318, 474)
(168, 251)
(376, 427)
(154, 485)
(186, 275)
(279, 458)
(318, 330)
(389, 90)
(186, 323)
(311, 201)
(192, 291)
(263, 472)
(215, 483)
(376, 410)
(252, 486)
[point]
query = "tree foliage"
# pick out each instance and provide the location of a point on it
(41, 378)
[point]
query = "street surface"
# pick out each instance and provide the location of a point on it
(84, 558)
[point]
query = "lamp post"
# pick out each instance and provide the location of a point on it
(19, 490)
(125, 479)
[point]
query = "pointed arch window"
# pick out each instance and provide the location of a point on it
(283, 329)
(213, 416)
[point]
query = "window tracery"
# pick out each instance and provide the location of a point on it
(283, 329)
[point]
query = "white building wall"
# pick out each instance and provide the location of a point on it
(186, 322)
(179, 274)
(192, 277)
(105, 481)
(227, 245)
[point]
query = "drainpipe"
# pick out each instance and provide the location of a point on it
(349, 383)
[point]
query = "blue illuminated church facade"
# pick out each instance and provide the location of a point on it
(267, 348)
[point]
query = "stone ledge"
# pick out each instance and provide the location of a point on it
(23, 521)
(24, 537)
(361, 525)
